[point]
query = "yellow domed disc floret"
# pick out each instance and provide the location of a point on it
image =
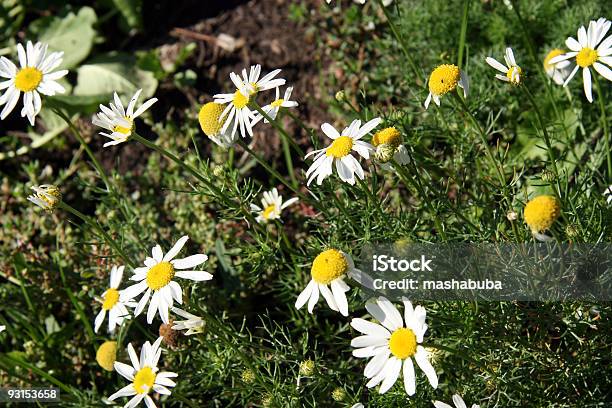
(110, 299)
(160, 275)
(586, 57)
(144, 380)
(240, 101)
(209, 118)
(107, 354)
(328, 266)
(552, 54)
(28, 79)
(403, 343)
(541, 212)
(444, 79)
(340, 147)
(390, 136)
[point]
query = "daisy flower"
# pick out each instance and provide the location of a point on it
(557, 72)
(512, 72)
(329, 268)
(393, 345)
(273, 108)
(589, 50)
(156, 276)
(457, 400)
(251, 84)
(444, 79)
(271, 206)
(111, 303)
(338, 152)
(389, 140)
(34, 77)
(194, 324)
(211, 124)
(119, 121)
(46, 196)
(144, 375)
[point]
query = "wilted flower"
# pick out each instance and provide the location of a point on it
(512, 72)
(46, 196)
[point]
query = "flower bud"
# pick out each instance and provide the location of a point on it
(572, 231)
(307, 368)
(248, 376)
(340, 96)
(384, 153)
(338, 394)
(547, 176)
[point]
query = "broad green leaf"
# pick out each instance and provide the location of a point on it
(73, 34)
(114, 73)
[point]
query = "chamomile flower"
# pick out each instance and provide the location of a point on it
(144, 376)
(557, 72)
(457, 400)
(389, 140)
(608, 195)
(157, 277)
(444, 79)
(541, 212)
(590, 50)
(393, 345)
(194, 324)
(46, 196)
(251, 84)
(112, 303)
(119, 121)
(330, 267)
(339, 152)
(278, 103)
(211, 124)
(512, 72)
(34, 77)
(271, 206)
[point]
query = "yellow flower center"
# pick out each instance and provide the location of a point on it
(144, 380)
(110, 299)
(403, 343)
(586, 57)
(277, 103)
(541, 212)
(554, 53)
(209, 118)
(106, 355)
(240, 101)
(340, 147)
(28, 79)
(444, 79)
(269, 210)
(160, 275)
(514, 75)
(328, 266)
(390, 136)
(125, 130)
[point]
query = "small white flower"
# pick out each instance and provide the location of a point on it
(608, 195)
(119, 121)
(144, 375)
(251, 84)
(156, 276)
(393, 345)
(112, 303)
(273, 108)
(339, 152)
(457, 400)
(271, 206)
(512, 72)
(589, 50)
(34, 77)
(46, 196)
(330, 267)
(194, 324)
(443, 79)
(559, 71)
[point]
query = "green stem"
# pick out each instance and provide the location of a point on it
(606, 128)
(289, 161)
(464, 21)
(268, 168)
(278, 127)
(93, 224)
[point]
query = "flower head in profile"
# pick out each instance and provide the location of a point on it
(212, 124)
(194, 324)
(46, 196)
(273, 108)
(106, 355)
(119, 122)
(112, 303)
(271, 206)
(590, 50)
(557, 72)
(512, 73)
(541, 212)
(457, 400)
(157, 276)
(392, 345)
(34, 76)
(330, 267)
(144, 376)
(444, 79)
(339, 152)
(389, 146)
